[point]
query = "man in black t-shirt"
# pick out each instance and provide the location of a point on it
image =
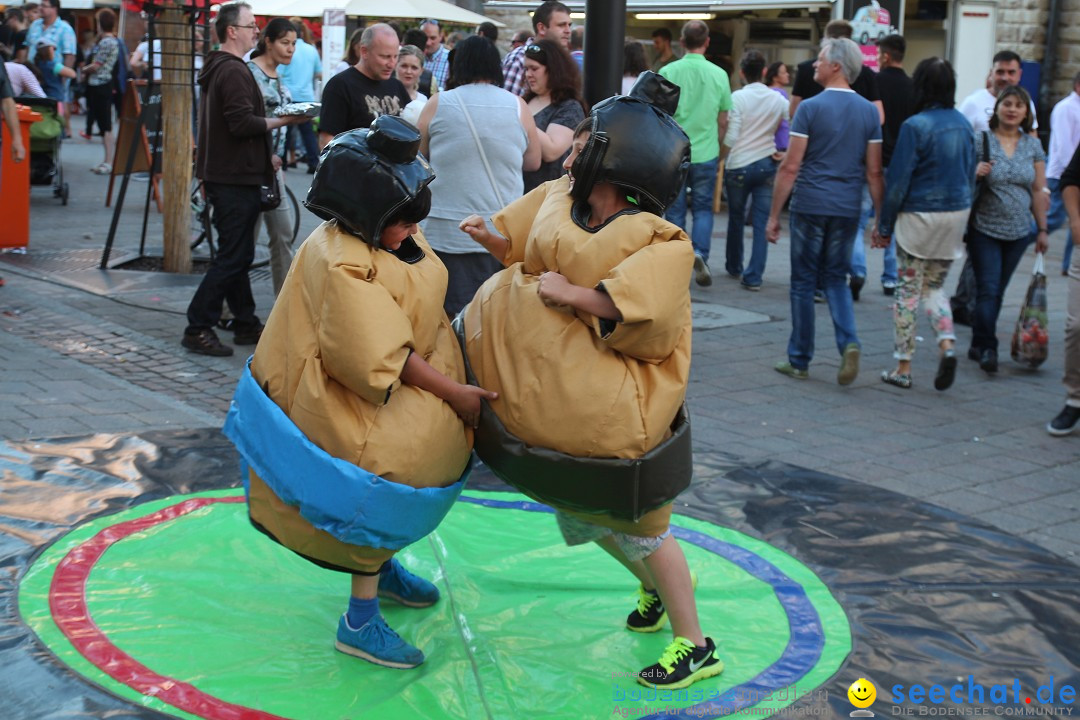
(13, 35)
(356, 96)
(896, 97)
(865, 85)
(895, 88)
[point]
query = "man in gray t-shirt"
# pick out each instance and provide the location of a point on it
(835, 148)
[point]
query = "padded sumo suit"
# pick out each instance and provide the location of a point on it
(330, 358)
(589, 416)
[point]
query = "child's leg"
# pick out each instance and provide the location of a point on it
(672, 575)
(363, 633)
(636, 567)
(365, 586)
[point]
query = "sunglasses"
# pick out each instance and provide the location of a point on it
(535, 52)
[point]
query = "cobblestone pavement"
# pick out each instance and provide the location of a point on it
(85, 350)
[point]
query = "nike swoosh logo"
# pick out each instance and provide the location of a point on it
(694, 667)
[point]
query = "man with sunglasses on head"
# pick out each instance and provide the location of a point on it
(233, 161)
(551, 21)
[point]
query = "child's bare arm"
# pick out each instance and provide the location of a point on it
(465, 399)
(477, 229)
(555, 289)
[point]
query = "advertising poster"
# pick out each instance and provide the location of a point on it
(872, 20)
(333, 41)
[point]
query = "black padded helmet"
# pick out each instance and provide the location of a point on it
(365, 176)
(636, 144)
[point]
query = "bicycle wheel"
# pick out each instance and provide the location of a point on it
(200, 218)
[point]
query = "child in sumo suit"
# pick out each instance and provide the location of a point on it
(350, 413)
(586, 337)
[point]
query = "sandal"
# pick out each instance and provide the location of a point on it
(900, 380)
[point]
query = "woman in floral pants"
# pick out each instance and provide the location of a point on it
(928, 189)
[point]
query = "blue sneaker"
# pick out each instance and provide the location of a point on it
(398, 584)
(377, 643)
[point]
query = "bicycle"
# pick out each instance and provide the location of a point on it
(202, 230)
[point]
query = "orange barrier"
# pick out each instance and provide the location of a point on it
(15, 186)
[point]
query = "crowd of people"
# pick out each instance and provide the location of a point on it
(825, 150)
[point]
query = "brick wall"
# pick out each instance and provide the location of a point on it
(1022, 28)
(515, 20)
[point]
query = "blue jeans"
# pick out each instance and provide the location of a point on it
(858, 250)
(753, 182)
(701, 183)
(1057, 217)
(820, 246)
(994, 262)
(307, 137)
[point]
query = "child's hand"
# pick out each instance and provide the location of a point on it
(475, 227)
(554, 289)
(466, 402)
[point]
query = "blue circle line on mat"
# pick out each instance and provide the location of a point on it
(806, 639)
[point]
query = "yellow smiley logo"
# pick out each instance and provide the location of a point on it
(862, 693)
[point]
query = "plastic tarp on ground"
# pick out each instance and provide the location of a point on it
(184, 594)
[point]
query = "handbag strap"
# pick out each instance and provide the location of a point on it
(483, 155)
(1038, 268)
(986, 146)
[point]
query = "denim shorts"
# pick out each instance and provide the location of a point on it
(579, 532)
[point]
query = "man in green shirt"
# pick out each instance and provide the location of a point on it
(703, 113)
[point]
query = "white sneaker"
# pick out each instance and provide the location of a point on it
(702, 276)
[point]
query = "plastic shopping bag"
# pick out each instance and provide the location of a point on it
(1030, 340)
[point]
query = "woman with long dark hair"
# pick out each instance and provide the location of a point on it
(1001, 220)
(275, 47)
(478, 138)
(554, 99)
(633, 63)
(927, 201)
(777, 77)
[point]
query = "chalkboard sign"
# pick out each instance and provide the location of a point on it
(150, 94)
(128, 142)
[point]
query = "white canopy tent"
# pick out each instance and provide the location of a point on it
(71, 4)
(435, 9)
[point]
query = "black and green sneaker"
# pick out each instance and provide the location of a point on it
(649, 615)
(682, 665)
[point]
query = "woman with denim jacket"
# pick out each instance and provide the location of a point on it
(1001, 221)
(928, 189)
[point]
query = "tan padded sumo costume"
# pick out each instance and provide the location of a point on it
(589, 417)
(331, 356)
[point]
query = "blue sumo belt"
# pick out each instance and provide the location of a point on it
(335, 496)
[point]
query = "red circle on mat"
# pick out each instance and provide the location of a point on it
(67, 602)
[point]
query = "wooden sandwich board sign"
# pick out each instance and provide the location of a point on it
(127, 143)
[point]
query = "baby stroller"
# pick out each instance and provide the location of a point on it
(45, 138)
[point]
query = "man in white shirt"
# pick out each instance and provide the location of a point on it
(979, 105)
(750, 149)
(1064, 138)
